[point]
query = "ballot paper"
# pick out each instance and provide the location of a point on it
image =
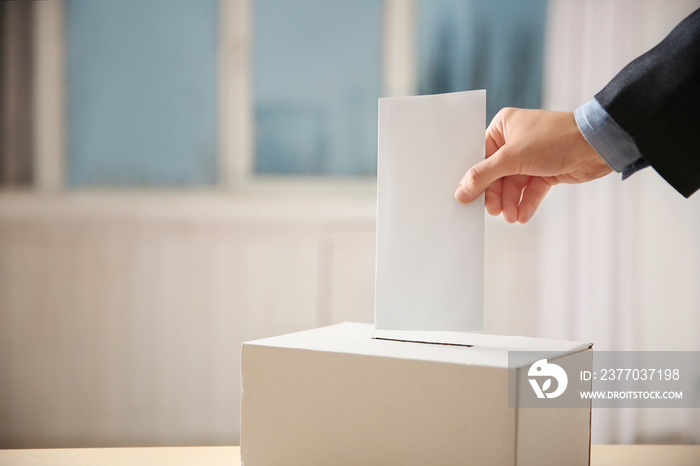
(430, 248)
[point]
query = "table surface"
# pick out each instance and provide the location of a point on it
(601, 455)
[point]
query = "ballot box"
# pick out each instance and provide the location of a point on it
(348, 394)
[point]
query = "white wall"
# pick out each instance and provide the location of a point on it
(122, 316)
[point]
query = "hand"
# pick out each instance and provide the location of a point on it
(528, 152)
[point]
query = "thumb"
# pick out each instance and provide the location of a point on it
(480, 176)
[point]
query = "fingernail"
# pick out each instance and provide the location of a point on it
(460, 194)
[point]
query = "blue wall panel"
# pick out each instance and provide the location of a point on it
(142, 85)
(317, 77)
(496, 45)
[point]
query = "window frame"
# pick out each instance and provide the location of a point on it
(235, 145)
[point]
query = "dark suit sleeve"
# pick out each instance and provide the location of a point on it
(656, 100)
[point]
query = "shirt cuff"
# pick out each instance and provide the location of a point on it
(611, 142)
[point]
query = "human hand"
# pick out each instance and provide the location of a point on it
(528, 152)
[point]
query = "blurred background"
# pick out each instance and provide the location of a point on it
(179, 176)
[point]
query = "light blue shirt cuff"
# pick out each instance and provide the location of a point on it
(613, 144)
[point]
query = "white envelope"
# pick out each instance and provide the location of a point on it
(430, 248)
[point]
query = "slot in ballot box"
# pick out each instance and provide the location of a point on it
(348, 394)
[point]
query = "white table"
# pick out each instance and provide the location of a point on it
(601, 455)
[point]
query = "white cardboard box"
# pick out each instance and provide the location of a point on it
(337, 396)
